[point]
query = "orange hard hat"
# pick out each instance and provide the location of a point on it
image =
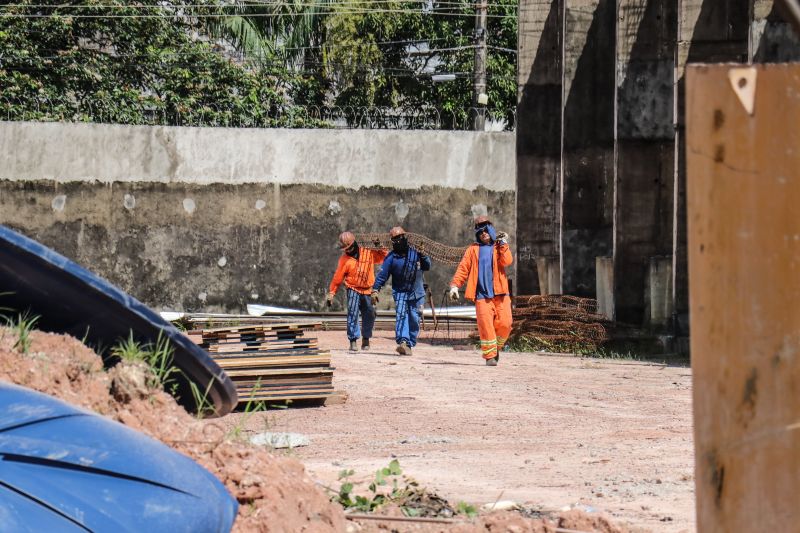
(396, 232)
(346, 239)
(482, 219)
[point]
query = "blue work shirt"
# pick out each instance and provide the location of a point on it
(406, 271)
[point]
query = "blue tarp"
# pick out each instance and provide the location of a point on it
(65, 469)
(70, 299)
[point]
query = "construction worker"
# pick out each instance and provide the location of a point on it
(483, 268)
(356, 269)
(405, 265)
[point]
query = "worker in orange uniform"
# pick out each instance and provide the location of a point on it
(356, 269)
(483, 267)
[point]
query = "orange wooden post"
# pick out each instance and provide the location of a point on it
(743, 194)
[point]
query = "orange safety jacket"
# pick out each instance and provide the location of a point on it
(358, 274)
(468, 270)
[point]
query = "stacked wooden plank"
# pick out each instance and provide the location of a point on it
(271, 362)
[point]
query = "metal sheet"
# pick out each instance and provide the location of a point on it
(66, 469)
(70, 299)
(743, 165)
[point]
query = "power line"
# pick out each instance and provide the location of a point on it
(251, 15)
(466, 5)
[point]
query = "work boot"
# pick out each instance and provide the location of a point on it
(492, 361)
(403, 349)
(353, 346)
(365, 343)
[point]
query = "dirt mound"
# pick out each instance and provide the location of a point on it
(274, 492)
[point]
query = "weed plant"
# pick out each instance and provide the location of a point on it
(537, 344)
(390, 486)
(22, 325)
(158, 357)
(252, 407)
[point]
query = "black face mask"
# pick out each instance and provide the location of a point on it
(353, 250)
(400, 246)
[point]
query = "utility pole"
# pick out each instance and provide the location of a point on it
(479, 98)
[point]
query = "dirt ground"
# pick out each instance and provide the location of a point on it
(547, 431)
(274, 490)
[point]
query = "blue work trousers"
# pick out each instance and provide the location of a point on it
(359, 305)
(406, 327)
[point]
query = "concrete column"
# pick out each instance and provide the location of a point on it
(538, 140)
(604, 267)
(645, 148)
(549, 271)
(708, 31)
(659, 292)
(772, 39)
(588, 142)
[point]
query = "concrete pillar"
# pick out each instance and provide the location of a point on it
(538, 139)
(772, 39)
(549, 271)
(645, 148)
(659, 292)
(744, 259)
(708, 31)
(604, 267)
(587, 161)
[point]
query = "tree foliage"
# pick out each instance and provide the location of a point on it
(388, 59)
(131, 64)
(246, 63)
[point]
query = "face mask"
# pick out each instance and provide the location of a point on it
(400, 246)
(353, 250)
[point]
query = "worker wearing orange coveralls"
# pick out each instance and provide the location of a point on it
(483, 267)
(356, 269)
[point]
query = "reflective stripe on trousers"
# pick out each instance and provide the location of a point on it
(494, 323)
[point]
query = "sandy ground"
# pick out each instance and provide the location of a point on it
(544, 430)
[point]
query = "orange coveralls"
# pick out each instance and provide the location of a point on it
(494, 314)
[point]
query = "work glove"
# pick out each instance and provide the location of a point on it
(502, 238)
(376, 243)
(329, 299)
(454, 293)
(374, 298)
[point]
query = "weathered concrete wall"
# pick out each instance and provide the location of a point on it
(645, 149)
(588, 142)
(620, 159)
(144, 209)
(771, 37)
(539, 142)
(343, 158)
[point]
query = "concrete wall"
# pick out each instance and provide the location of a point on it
(212, 219)
(614, 185)
(539, 142)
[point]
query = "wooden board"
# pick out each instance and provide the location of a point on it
(743, 194)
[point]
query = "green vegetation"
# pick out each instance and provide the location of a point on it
(536, 344)
(389, 486)
(240, 63)
(129, 64)
(22, 325)
(205, 407)
(252, 407)
(158, 357)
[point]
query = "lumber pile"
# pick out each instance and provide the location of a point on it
(271, 362)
